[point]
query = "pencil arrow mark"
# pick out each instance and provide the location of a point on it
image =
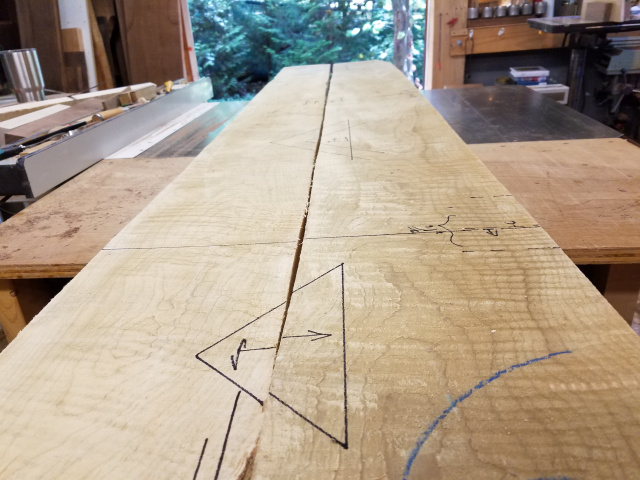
(243, 344)
(318, 335)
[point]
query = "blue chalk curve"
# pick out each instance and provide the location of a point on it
(483, 383)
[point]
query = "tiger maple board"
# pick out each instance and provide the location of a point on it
(105, 382)
(464, 343)
(433, 329)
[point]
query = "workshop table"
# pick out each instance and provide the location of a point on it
(512, 113)
(579, 182)
(56, 236)
(573, 175)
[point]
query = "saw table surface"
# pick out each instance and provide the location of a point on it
(345, 292)
(512, 113)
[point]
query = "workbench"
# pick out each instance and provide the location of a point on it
(575, 176)
(56, 236)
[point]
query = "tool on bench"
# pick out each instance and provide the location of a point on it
(35, 172)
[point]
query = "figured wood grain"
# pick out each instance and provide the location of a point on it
(433, 330)
(105, 382)
(583, 192)
(464, 343)
(200, 209)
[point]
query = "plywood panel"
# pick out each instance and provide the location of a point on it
(585, 192)
(60, 233)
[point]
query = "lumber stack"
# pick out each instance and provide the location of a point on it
(336, 287)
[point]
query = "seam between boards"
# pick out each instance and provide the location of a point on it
(303, 225)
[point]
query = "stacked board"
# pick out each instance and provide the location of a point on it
(335, 288)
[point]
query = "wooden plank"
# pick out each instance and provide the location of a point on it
(102, 371)
(60, 233)
(103, 70)
(442, 68)
(583, 192)
(72, 40)
(122, 25)
(188, 43)
(30, 117)
(623, 289)
(74, 14)
(431, 319)
(39, 24)
(153, 40)
(13, 111)
(79, 111)
(133, 96)
(112, 91)
(470, 348)
(507, 38)
(77, 77)
(11, 317)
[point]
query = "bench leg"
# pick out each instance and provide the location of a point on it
(11, 317)
(623, 287)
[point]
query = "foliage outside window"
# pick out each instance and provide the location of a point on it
(242, 44)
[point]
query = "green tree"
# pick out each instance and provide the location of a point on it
(242, 44)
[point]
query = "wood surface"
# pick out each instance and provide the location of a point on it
(78, 111)
(621, 291)
(60, 233)
(75, 63)
(451, 69)
(72, 40)
(112, 91)
(583, 192)
(431, 330)
(31, 117)
(191, 62)
(507, 38)
(13, 111)
(103, 69)
(139, 355)
(153, 40)
(472, 348)
(76, 73)
(39, 24)
(11, 317)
